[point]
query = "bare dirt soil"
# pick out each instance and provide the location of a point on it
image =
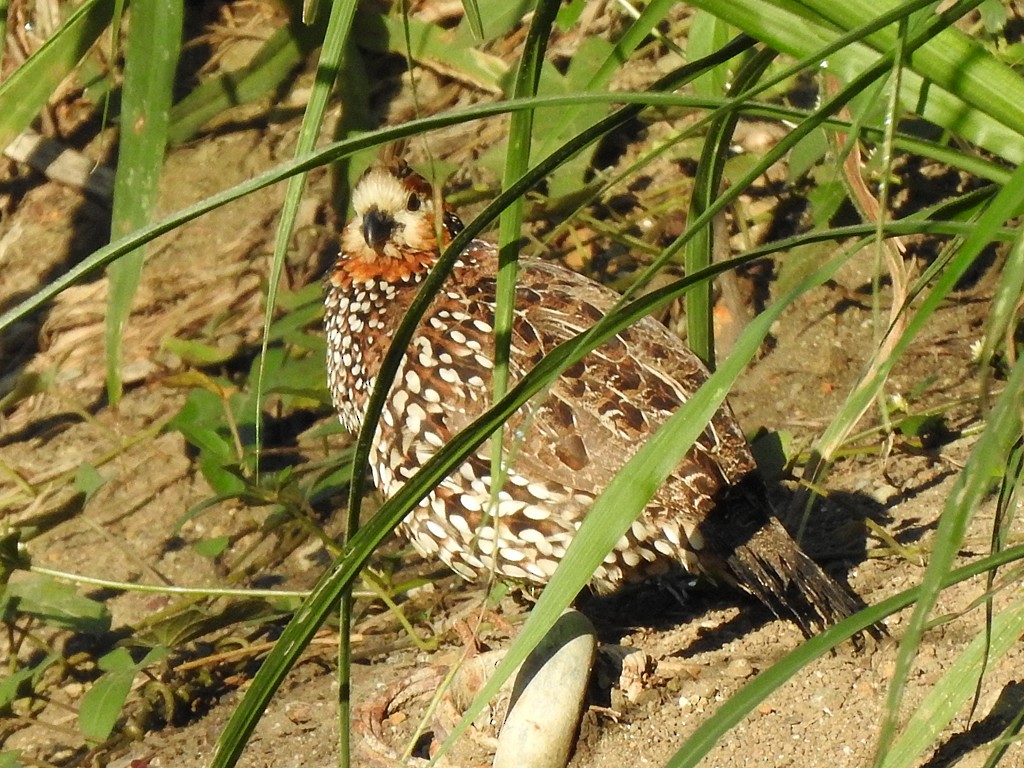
(211, 274)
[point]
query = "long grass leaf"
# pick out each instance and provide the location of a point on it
(999, 325)
(24, 93)
(700, 250)
(275, 61)
(954, 689)
(987, 461)
(950, 104)
(510, 223)
(742, 703)
(151, 62)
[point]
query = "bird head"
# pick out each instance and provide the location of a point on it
(395, 216)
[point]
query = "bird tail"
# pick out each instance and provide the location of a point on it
(756, 552)
(772, 567)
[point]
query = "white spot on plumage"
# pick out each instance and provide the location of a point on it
(639, 530)
(512, 555)
(535, 512)
(471, 502)
(459, 523)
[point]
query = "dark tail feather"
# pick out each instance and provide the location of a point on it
(772, 567)
(756, 552)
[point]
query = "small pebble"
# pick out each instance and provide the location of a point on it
(885, 493)
(739, 669)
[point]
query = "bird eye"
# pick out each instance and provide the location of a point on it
(414, 202)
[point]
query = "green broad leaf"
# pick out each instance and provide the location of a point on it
(102, 704)
(494, 17)
(224, 479)
(88, 480)
(807, 154)
(57, 604)
(926, 427)
(118, 660)
(11, 758)
(430, 43)
(555, 127)
(201, 420)
(197, 353)
(11, 683)
(993, 16)
(570, 13)
(772, 451)
(212, 547)
(826, 199)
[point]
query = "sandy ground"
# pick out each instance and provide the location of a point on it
(206, 281)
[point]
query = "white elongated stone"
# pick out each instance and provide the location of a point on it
(548, 697)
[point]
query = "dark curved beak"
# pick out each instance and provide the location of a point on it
(377, 227)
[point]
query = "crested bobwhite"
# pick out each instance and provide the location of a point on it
(567, 443)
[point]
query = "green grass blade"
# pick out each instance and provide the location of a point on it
(335, 39)
(742, 703)
(700, 250)
(476, 23)
(151, 62)
(955, 688)
(986, 463)
(510, 223)
(25, 92)
(517, 160)
(707, 34)
(1001, 318)
(269, 68)
(970, 75)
